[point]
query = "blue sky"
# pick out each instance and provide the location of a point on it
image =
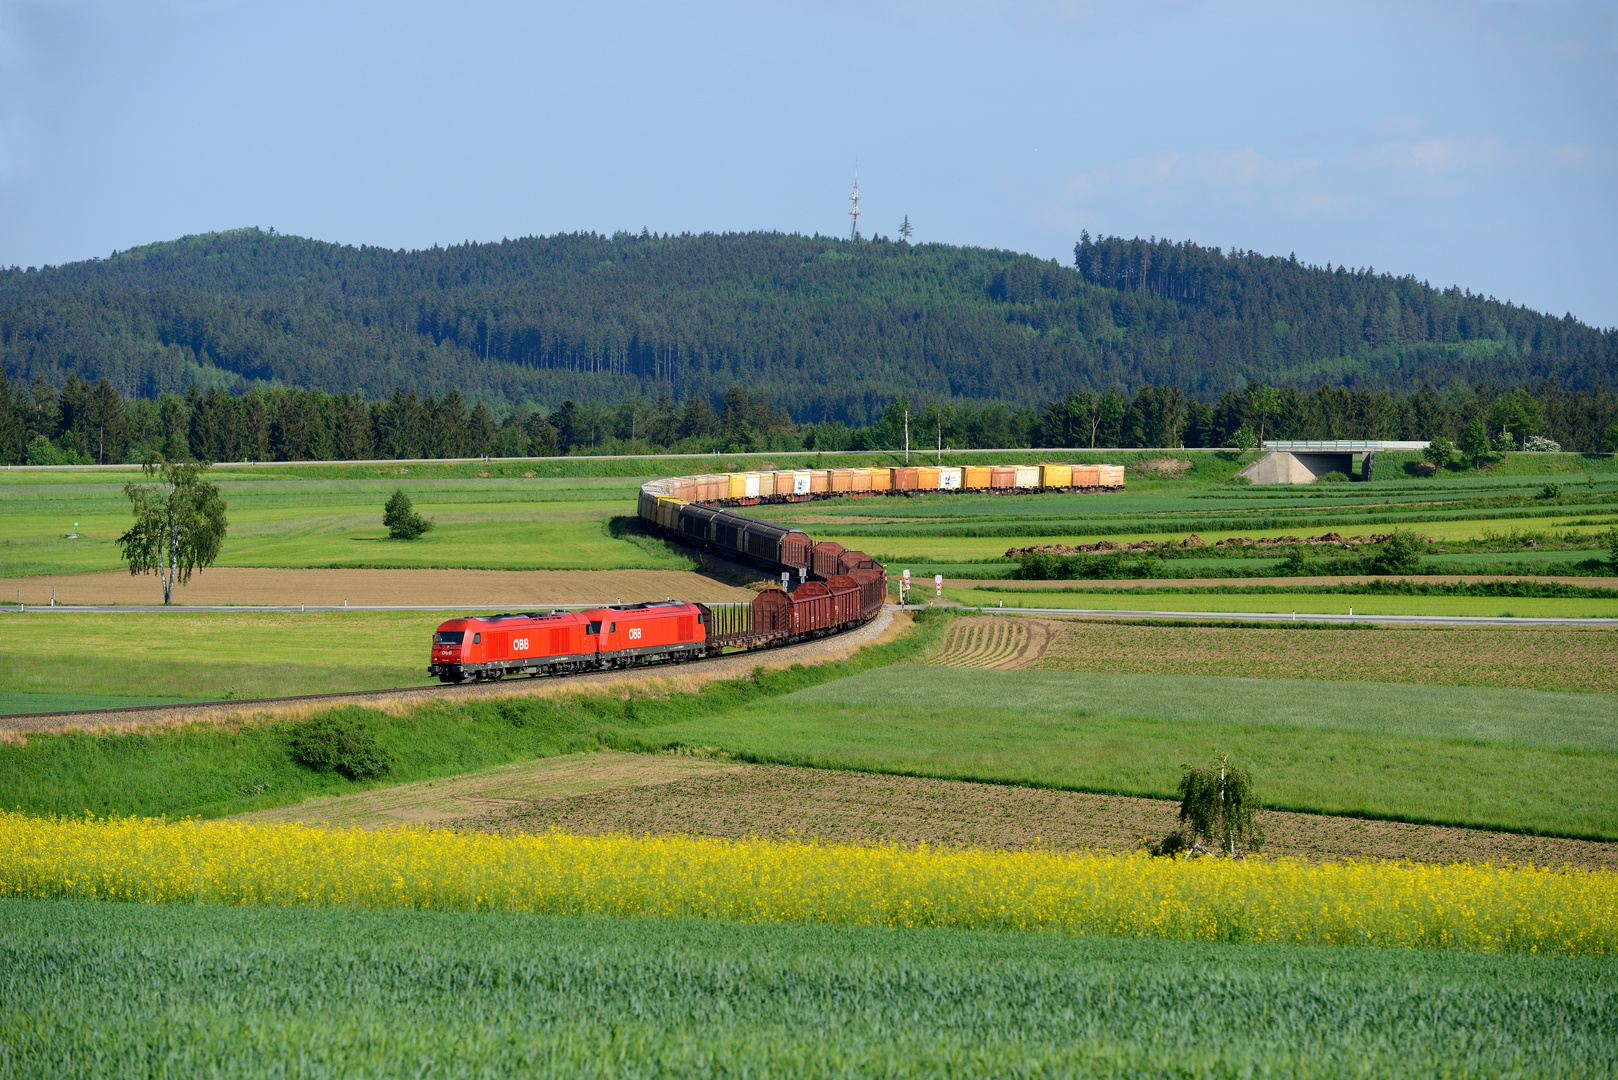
(1471, 143)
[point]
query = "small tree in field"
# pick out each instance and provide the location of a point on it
(401, 518)
(1439, 451)
(1217, 804)
(1244, 439)
(179, 523)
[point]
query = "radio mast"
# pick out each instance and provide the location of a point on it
(854, 212)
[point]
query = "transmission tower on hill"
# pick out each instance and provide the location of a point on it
(854, 211)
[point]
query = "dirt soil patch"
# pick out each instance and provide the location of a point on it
(786, 803)
(270, 587)
(991, 642)
(435, 802)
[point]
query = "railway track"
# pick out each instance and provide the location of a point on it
(707, 668)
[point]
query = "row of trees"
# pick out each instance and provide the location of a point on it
(86, 424)
(828, 329)
(1166, 416)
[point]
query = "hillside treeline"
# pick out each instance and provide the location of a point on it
(825, 329)
(84, 424)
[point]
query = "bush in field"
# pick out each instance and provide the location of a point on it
(401, 518)
(1438, 451)
(1611, 540)
(1217, 804)
(1333, 478)
(340, 742)
(1538, 444)
(1400, 554)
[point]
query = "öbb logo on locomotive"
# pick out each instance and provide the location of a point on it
(836, 589)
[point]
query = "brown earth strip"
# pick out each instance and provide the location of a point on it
(786, 803)
(661, 679)
(270, 587)
(1582, 659)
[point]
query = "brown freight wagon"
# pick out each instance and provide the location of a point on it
(851, 561)
(826, 559)
(904, 479)
(683, 488)
(819, 481)
(845, 599)
(1003, 476)
(772, 612)
(873, 583)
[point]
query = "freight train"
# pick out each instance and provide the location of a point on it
(488, 647)
(828, 588)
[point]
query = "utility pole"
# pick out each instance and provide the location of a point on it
(941, 444)
(907, 436)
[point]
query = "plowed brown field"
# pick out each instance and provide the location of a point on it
(379, 588)
(668, 793)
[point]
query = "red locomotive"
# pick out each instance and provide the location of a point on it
(487, 647)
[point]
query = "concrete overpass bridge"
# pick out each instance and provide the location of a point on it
(1303, 461)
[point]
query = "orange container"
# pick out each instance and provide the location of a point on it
(683, 488)
(860, 480)
(1086, 476)
(1003, 476)
(842, 480)
(820, 481)
(1112, 476)
(927, 478)
(904, 479)
(976, 477)
(881, 479)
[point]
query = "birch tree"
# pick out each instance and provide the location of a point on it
(179, 523)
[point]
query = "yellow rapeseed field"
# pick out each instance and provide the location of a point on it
(1268, 900)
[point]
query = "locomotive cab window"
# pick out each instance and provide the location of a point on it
(449, 637)
(593, 628)
(613, 629)
(477, 639)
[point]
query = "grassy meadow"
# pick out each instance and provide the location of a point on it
(223, 991)
(545, 514)
(1520, 760)
(210, 655)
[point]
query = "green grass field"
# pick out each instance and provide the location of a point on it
(1302, 603)
(214, 655)
(561, 516)
(492, 523)
(112, 989)
(1457, 755)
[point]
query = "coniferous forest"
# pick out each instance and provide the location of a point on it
(256, 345)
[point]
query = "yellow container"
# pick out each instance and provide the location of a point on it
(738, 485)
(976, 477)
(1056, 476)
(927, 478)
(881, 479)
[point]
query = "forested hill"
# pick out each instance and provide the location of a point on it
(825, 328)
